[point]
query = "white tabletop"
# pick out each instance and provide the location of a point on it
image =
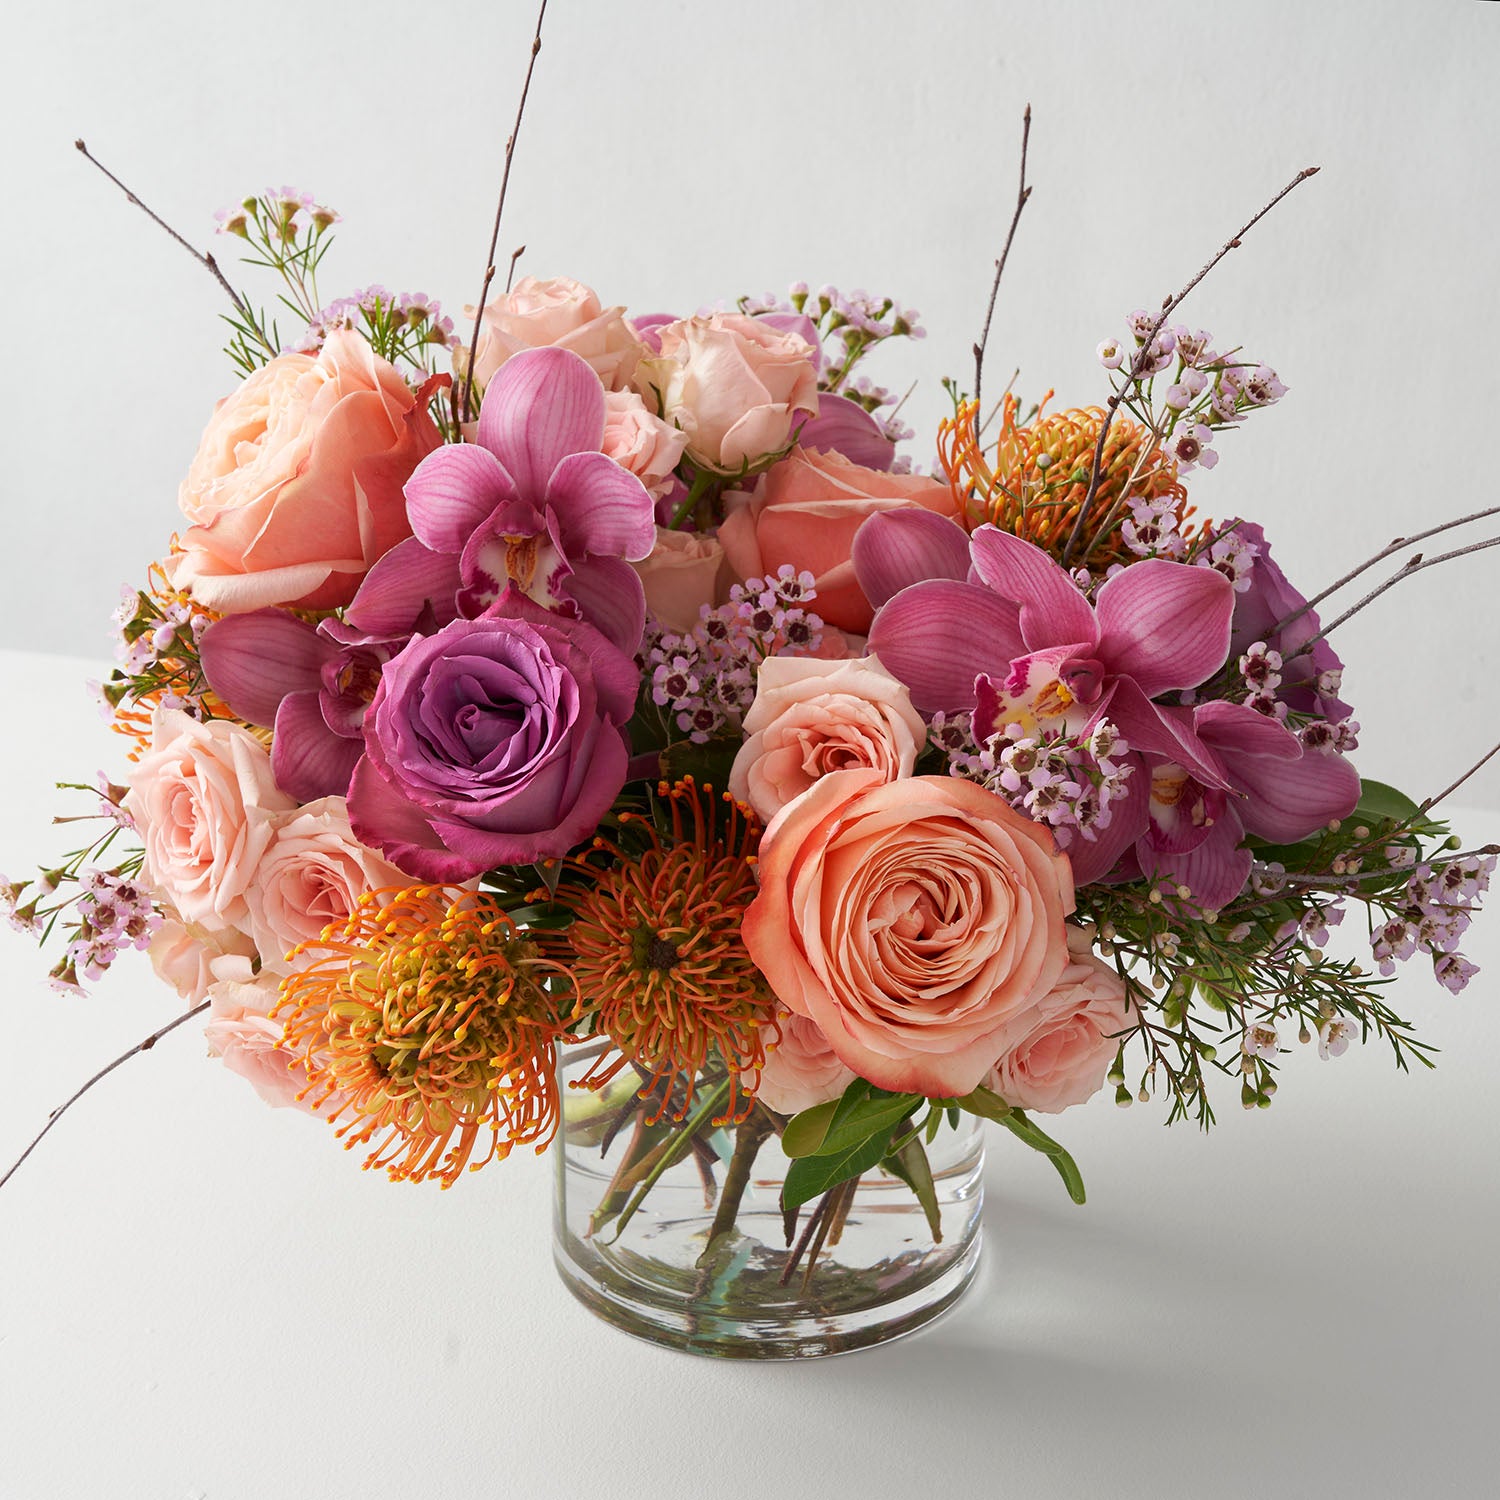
(200, 1297)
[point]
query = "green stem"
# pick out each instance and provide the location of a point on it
(753, 1132)
(670, 1151)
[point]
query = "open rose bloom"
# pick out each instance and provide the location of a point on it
(612, 678)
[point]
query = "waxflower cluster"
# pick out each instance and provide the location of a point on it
(705, 680)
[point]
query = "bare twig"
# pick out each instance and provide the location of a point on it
(1137, 365)
(204, 258)
(1409, 568)
(1022, 194)
(1369, 562)
(515, 255)
(1448, 791)
(489, 269)
(104, 1072)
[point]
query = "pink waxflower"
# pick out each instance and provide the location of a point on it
(534, 505)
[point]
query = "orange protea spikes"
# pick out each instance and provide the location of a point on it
(1033, 480)
(655, 951)
(427, 1025)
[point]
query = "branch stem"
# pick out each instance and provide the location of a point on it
(203, 258)
(1023, 193)
(1137, 365)
(489, 269)
(142, 1046)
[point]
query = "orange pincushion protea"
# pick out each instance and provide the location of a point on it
(427, 1025)
(655, 949)
(1033, 481)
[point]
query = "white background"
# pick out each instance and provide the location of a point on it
(674, 154)
(202, 1298)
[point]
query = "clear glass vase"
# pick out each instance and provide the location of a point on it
(670, 1264)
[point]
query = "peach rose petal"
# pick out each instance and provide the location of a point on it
(911, 921)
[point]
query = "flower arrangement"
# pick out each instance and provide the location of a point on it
(609, 682)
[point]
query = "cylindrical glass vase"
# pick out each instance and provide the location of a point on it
(652, 1250)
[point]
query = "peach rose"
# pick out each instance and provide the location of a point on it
(801, 1070)
(184, 956)
(310, 874)
(680, 576)
(912, 920)
(296, 489)
(242, 1034)
(1057, 1053)
(191, 796)
(811, 717)
(735, 385)
(640, 442)
(561, 313)
(805, 511)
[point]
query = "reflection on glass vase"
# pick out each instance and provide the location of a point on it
(675, 1233)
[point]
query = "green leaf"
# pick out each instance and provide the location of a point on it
(707, 764)
(805, 1132)
(811, 1176)
(910, 1164)
(985, 1103)
(1039, 1140)
(1377, 800)
(865, 1111)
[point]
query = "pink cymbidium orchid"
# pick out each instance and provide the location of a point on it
(1171, 825)
(310, 683)
(533, 504)
(1017, 642)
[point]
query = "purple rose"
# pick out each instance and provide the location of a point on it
(498, 740)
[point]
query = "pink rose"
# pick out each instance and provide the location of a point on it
(640, 442)
(310, 874)
(806, 510)
(191, 797)
(184, 956)
(241, 1032)
(680, 576)
(296, 489)
(560, 313)
(912, 920)
(1056, 1054)
(811, 717)
(801, 1070)
(736, 386)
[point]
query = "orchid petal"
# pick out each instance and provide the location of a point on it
(543, 405)
(396, 591)
(1235, 729)
(601, 508)
(1093, 859)
(308, 759)
(452, 491)
(1053, 611)
(1154, 730)
(844, 426)
(937, 637)
(897, 548)
(1165, 624)
(610, 597)
(253, 661)
(1286, 802)
(1214, 873)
